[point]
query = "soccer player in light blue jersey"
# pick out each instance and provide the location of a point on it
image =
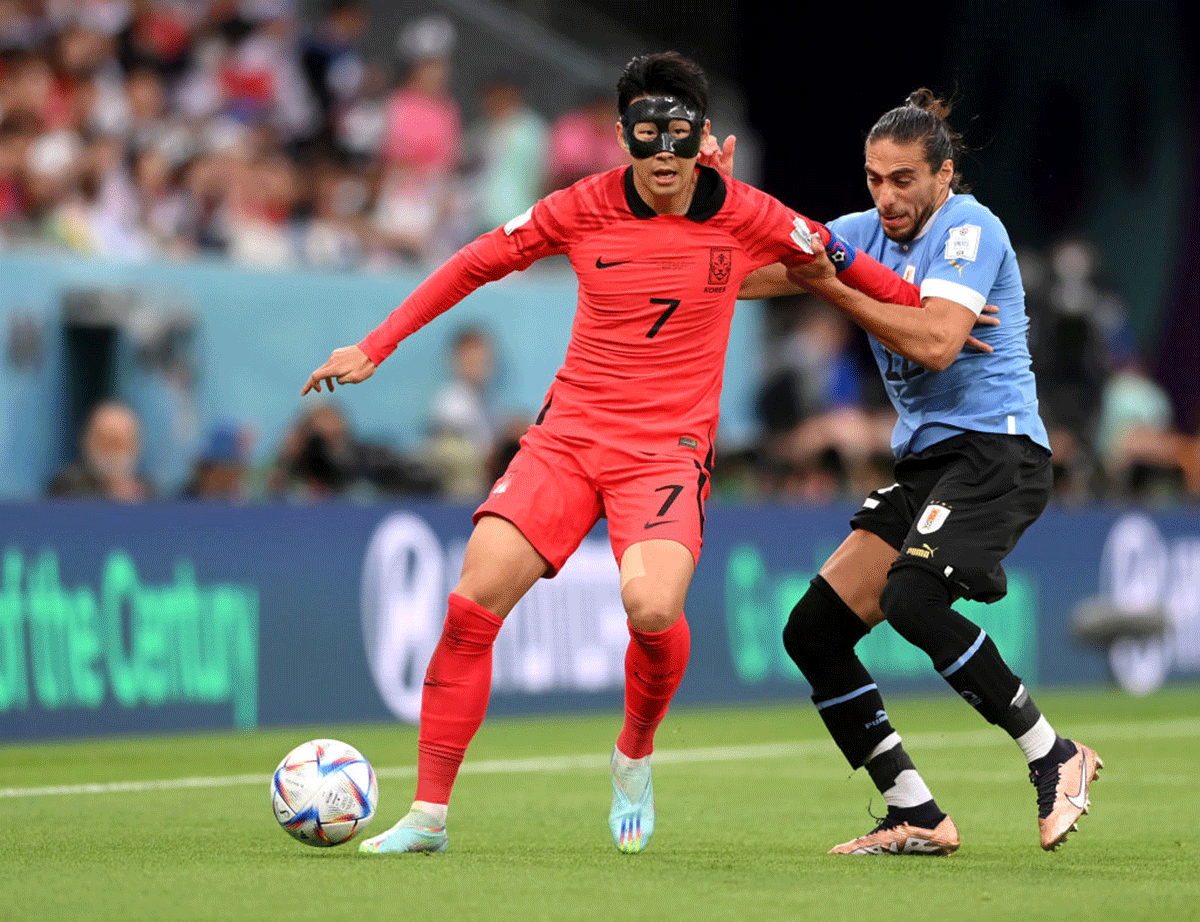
(972, 473)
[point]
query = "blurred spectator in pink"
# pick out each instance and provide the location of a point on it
(584, 140)
(507, 153)
(422, 144)
(424, 124)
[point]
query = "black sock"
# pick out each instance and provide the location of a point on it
(819, 637)
(917, 605)
(926, 815)
(1021, 715)
(1062, 750)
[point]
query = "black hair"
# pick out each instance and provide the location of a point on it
(923, 118)
(665, 73)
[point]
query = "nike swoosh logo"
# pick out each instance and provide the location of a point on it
(601, 264)
(656, 524)
(1079, 801)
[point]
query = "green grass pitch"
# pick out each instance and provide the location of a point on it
(749, 800)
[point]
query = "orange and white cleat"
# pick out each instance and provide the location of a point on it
(892, 837)
(1063, 794)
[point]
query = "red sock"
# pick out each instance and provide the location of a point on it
(455, 697)
(654, 666)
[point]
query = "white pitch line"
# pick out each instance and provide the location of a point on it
(969, 739)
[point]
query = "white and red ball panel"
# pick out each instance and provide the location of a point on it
(324, 792)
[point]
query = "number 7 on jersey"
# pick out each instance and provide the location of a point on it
(671, 303)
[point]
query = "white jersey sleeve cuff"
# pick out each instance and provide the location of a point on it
(953, 291)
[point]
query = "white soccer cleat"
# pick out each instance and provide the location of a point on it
(631, 819)
(417, 832)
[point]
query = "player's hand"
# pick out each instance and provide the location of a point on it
(816, 270)
(347, 365)
(718, 156)
(987, 318)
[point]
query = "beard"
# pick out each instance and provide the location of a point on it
(920, 219)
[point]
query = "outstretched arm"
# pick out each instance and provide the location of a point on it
(932, 337)
(777, 281)
(486, 259)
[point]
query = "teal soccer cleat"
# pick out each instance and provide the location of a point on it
(632, 821)
(415, 833)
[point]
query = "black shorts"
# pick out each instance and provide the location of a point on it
(958, 507)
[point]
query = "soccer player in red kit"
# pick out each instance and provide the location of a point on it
(660, 248)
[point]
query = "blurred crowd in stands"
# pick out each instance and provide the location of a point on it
(132, 129)
(140, 129)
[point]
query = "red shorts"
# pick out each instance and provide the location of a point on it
(558, 486)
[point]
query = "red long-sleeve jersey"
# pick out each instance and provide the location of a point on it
(656, 296)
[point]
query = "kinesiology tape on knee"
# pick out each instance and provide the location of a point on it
(819, 637)
(917, 605)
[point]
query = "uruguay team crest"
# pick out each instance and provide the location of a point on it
(933, 518)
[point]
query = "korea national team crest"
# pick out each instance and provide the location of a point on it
(933, 518)
(720, 264)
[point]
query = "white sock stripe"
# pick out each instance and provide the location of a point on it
(1037, 740)
(909, 790)
(891, 741)
(1020, 692)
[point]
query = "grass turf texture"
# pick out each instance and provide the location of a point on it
(739, 838)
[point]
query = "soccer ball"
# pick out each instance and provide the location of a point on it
(324, 792)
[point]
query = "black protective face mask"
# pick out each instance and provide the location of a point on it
(661, 111)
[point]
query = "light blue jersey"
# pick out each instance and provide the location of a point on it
(962, 254)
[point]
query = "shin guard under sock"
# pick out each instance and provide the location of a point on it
(454, 699)
(819, 637)
(654, 665)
